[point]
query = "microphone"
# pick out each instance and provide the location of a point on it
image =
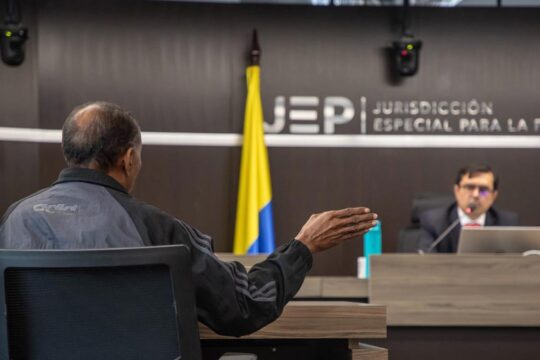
(468, 210)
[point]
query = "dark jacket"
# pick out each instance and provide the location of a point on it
(434, 222)
(88, 209)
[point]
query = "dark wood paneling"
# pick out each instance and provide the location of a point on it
(18, 84)
(171, 65)
(180, 67)
(19, 172)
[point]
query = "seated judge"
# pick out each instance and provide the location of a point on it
(90, 206)
(475, 191)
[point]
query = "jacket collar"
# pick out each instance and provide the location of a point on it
(88, 176)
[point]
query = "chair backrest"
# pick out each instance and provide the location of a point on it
(135, 303)
(427, 201)
(408, 240)
(409, 237)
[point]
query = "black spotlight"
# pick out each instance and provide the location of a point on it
(12, 36)
(12, 43)
(407, 55)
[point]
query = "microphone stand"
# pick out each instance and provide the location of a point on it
(440, 238)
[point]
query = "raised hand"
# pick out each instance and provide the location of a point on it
(330, 228)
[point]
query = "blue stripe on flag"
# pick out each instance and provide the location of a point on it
(265, 243)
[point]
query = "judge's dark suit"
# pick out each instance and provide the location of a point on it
(434, 221)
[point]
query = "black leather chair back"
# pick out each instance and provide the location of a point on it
(408, 238)
(135, 303)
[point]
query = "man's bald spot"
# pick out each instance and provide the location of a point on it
(82, 119)
(85, 115)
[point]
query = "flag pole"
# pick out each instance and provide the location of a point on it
(255, 53)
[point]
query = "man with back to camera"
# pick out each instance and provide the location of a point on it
(475, 191)
(89, 206)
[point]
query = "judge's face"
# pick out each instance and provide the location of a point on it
(476, 191)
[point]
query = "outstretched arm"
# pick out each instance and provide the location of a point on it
(232, 301)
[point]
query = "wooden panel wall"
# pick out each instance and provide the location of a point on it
(180, 67)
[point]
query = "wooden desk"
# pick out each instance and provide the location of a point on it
(467, 307)
(314, 287)
(325, 320)
(445, 306)
(333, 287)
(457, 290)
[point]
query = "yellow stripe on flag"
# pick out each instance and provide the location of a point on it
(254, 190)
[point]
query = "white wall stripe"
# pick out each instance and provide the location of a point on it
(30, 135)
(293, 140)
(191, 139)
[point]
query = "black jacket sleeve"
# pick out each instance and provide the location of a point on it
(232, 301)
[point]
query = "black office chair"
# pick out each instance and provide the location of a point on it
(135, 303)
(408, 238)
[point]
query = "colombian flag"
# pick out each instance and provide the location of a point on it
(254, 233)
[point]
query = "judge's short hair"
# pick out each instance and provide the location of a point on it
(473, 170)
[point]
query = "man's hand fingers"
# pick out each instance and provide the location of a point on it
(351, 212)
(351, 234)
(329, 228)
(357, 219)
(358, 229)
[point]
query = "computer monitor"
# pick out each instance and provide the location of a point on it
(499, 239)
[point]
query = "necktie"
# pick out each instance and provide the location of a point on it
(472, 225)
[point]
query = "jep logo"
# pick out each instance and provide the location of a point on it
(303, 115)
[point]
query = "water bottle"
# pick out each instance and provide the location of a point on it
(372, 244)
